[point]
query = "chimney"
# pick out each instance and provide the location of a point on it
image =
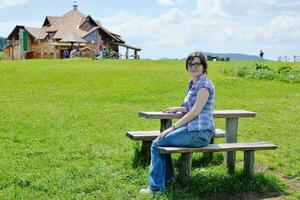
(75, 5)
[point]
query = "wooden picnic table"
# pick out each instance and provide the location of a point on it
(231, 116)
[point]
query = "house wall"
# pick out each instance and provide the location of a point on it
(8, 53)
(36, 49)
(47, 52)
(16, 50)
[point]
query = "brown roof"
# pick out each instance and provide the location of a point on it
(33, 31)
(52, 19)
(66, 25)
(69, 24)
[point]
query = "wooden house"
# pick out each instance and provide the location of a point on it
(43, 43)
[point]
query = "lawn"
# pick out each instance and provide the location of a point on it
(63, 124)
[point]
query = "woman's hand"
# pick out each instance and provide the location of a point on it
(171, 110)
(164, 133)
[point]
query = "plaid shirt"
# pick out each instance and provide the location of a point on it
(204, 121)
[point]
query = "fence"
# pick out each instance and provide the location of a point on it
(289, 59)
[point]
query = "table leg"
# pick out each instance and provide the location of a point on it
(165, 124)
(146, 145)
(231, 137)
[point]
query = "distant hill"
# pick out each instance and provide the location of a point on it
(3, 42)
(232, 56)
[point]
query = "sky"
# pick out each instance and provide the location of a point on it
(175, 28)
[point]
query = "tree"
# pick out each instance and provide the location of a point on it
(3, 42)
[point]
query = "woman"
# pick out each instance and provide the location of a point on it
(194, 129)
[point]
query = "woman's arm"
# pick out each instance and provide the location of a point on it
(201, 99)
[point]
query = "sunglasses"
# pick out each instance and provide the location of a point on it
(195, 65)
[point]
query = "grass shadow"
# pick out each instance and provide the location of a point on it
(200, 161)
(213, 184)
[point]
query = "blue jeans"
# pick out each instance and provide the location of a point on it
(161, 166)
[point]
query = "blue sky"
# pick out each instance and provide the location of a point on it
(174, 28)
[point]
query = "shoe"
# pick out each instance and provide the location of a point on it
(150, 191)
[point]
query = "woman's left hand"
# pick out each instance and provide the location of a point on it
(164, 133)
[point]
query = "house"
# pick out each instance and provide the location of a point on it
(44, 42)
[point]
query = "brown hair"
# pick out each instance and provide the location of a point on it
(200, 55)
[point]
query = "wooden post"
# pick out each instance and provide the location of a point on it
(249, 162)
(165, 124)
(42, 49)
(55, 53)
(126, 53)
(185, 169)
(135, 54)
(145, 152)
(231, 137)
(208, 156)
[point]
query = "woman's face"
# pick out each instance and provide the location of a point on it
(195, 68)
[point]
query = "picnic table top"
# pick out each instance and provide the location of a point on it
(216, 114)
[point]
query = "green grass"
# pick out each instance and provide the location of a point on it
(63, 124)
(1, 55)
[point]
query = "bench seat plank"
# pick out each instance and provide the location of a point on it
(220, 147)
(151, 135)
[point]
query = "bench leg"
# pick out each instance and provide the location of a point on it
(208, 156)
(145, 152)
(185, 169)
(249, 162)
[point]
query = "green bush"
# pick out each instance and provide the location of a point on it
(265, 74)
(263, 66)
(242, 71)
(284, 69)
(262, 71)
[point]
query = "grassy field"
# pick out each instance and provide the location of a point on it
(63, 124)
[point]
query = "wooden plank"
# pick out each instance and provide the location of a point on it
(160, 115)
(216, 114)
(151, 135)
(220, 147)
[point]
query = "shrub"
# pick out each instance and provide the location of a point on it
(262, 71)
(284, 69)
(263, 66)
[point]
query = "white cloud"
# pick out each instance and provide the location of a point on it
(249, 7)
(211, 27)
(170, 2)
(5, 3)
(7, 27)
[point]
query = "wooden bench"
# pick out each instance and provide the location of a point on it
(151, 135)
(186, 155)
(148, 136)
(231, 118)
